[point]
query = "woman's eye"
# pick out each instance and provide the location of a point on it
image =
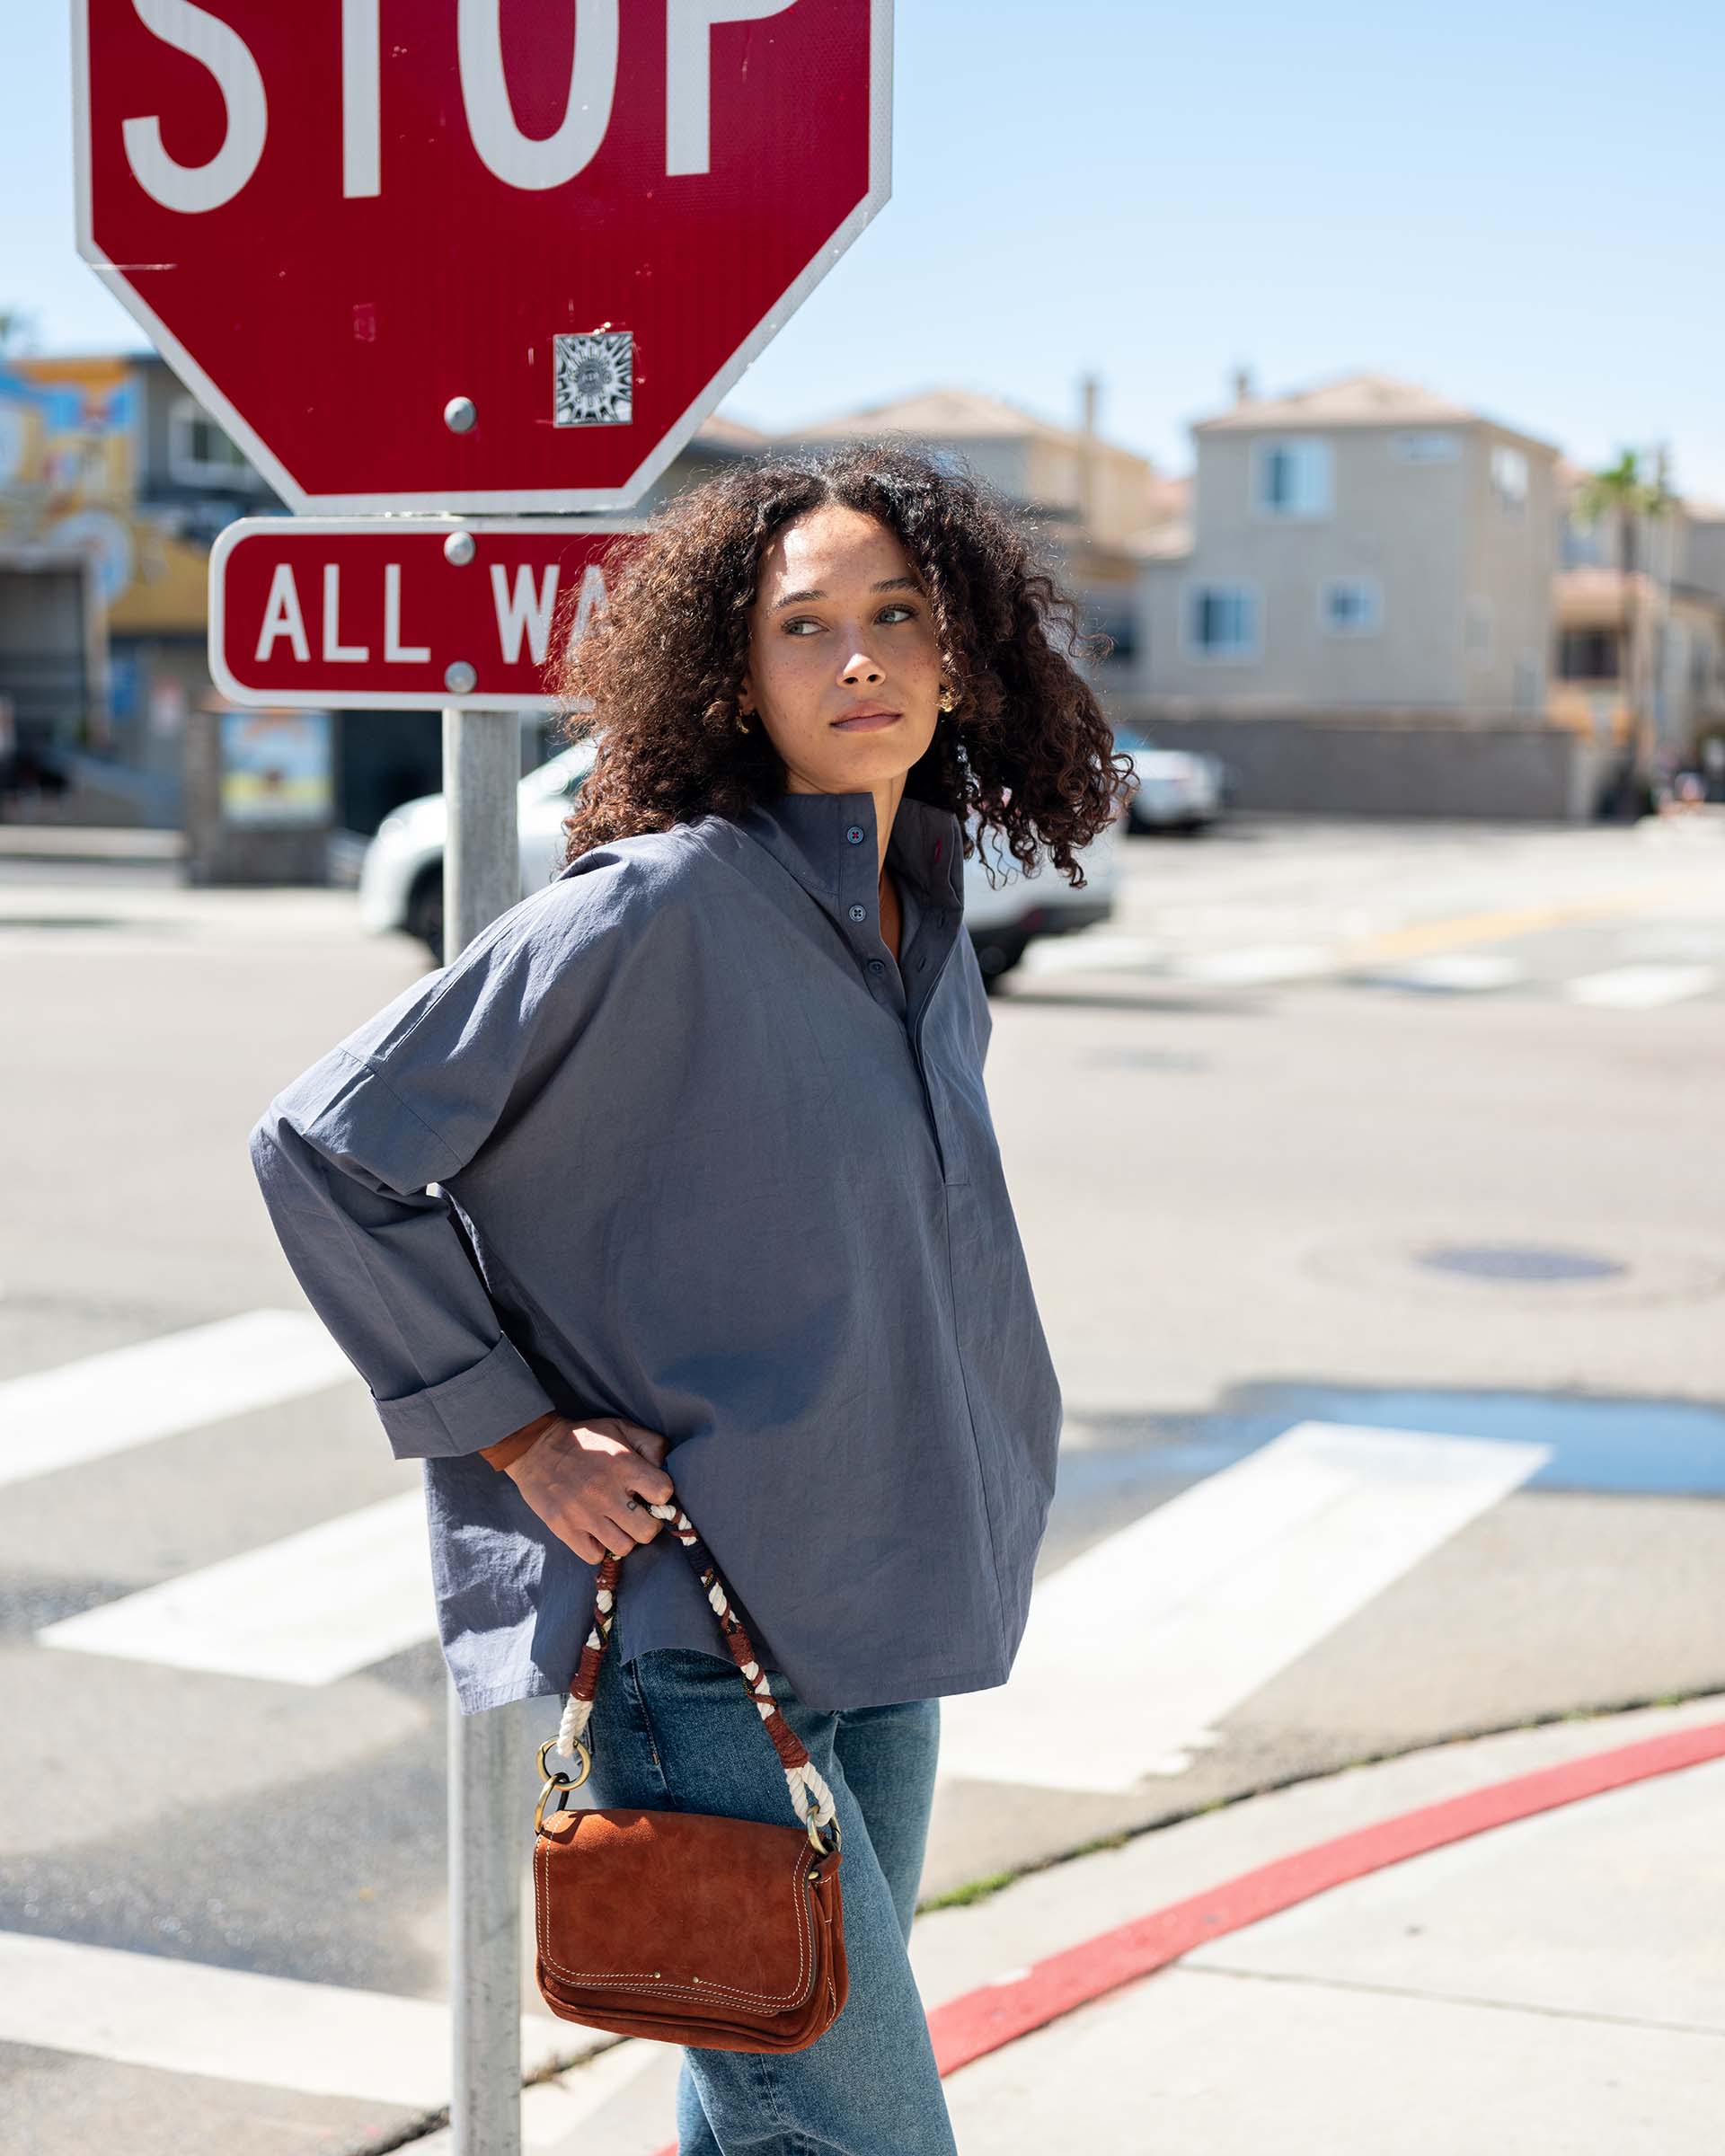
(806, 621)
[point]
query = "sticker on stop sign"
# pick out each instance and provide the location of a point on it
(403, 615)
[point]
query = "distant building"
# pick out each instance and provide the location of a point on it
(1363, 576)
(1639, 626)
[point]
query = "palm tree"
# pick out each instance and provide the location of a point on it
(1623, 491)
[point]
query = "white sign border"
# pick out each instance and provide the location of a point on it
(491, 500)
(276, 529)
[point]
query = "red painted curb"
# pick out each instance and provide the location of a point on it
(980, 2021)
(976, 2022)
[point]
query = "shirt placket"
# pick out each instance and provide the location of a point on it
(925, 943)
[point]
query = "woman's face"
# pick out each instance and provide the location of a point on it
(840, 625)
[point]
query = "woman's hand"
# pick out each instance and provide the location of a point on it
(578, 1477)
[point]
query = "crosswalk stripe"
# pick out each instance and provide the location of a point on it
(127, 1396)
(628, 2091)
(316, 1606)
(1641, 988)
(1091, 950)
(1135, 1649)
(1453, 971)
(1254, 964)
(279, 2032)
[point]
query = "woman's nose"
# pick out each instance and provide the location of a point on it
(862, 668)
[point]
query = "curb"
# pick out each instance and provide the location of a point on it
(983, 2020)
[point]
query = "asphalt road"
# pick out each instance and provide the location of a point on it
(1371, 1182)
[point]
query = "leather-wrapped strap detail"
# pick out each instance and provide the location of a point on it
(809, 1794)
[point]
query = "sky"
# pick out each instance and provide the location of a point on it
(1518, 205)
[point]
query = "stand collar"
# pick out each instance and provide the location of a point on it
(809, 835)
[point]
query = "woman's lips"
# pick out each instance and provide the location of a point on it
(868, 725)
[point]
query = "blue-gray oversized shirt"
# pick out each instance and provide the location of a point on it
(675, 1138)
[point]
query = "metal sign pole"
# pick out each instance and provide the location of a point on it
(488, 1760)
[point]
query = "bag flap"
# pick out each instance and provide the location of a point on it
(678, 1901)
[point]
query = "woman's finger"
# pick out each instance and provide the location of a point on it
(622, 1528)
(652, 1445)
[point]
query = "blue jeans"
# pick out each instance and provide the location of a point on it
(676, 1729)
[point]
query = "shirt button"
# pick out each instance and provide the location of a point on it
(857, 835)
(877, 965)
(859, 912)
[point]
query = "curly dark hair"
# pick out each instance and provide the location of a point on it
(1027, 750)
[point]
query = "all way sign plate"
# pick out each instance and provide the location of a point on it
(403, 613)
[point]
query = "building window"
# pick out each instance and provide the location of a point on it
(1526, 690)
(1350, 607)
(198, 453)
(1509, 476)
(1222, 621)
(1426, 445)
(1293, 479)
(1587, 655)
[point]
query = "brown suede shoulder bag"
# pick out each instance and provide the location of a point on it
(690, 1927)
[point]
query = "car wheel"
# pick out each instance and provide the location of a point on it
(425, 911)
(997, 955)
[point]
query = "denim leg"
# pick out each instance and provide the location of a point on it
(675, 1729)
(889, 1755)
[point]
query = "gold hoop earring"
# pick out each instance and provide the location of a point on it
(742, 724)
(946, 700)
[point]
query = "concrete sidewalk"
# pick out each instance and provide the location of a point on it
(1555, 1983)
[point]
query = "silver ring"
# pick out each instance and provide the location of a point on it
(633, 1504)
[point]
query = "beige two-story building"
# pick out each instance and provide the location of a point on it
(1366, 573)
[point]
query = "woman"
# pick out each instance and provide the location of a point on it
(681, 1179)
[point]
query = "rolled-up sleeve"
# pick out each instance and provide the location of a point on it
(346, 1154)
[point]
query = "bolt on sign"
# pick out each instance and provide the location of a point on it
(403, 613)
(473, 255)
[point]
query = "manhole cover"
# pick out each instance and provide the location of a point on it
(1518, 1261)
(1454, 1260)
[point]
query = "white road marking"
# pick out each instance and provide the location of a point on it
(1135, 1650)
(1641, 988)
(632, 2087)
(306, 1610)
(1090, 950)
(127, 1396)
(280, 2032)
(1451, 970)
(1263, 963)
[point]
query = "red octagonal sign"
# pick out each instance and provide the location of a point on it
(472, 254)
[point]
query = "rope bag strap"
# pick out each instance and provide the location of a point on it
(810, 1799)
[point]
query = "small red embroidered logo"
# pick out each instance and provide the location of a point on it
(939, 842)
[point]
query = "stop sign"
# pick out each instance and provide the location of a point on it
(472, 254)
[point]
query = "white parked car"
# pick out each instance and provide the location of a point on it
(1178, 789)
(400, 876)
